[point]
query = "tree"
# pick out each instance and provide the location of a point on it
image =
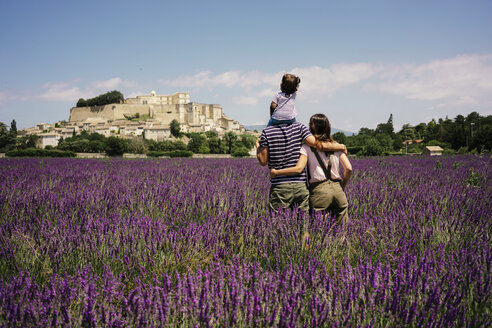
(4, 138)
(432, 131)
(214, 144)
(230, 139)
(408, 132)
(248, 141)
(366, 132)
(179, 145)
(115, 146)
(420, 130)
(175, 128)
(8, 139)
(204, 149)
(82, 103)
(340, 137)
(389, 125)
(13, 129)
(386, 128)
(385, 141)
(112, 97)
(372, 147)
(29, 141)
(197, 140)
(137, 146)
(240, 151)
(210, 134)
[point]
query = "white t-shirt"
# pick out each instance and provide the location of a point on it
(315, 170)
(286, 106)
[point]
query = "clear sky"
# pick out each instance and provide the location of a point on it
(359, 61)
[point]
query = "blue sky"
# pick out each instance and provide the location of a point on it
(359, 61)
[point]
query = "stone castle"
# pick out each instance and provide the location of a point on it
(192, 116)
(147, 116)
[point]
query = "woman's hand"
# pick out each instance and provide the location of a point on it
(273, 173)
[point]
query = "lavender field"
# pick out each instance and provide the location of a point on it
(189, 243)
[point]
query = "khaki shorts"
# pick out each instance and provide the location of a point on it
(288, 195)
(329, 196)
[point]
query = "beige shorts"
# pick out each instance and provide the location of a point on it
(288, 195)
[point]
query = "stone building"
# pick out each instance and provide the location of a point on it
(147, 116)
(47, 139)
(192, 116)
(432, 151)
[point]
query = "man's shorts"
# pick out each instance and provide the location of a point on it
(288, 195)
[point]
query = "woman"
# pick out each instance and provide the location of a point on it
(326, 184)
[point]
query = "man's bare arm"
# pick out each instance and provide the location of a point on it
(325, 145)
(261, 154)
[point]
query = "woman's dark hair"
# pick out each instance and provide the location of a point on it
(320, 127)
(289, 84)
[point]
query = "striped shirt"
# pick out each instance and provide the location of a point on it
(284, 144)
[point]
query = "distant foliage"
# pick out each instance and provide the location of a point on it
(178, 153)
(172, 154)
(8, 138)
(155, 153)
(240, 152)
(470, 134)
(175, 128)
(112, 97)
(82, 103)
(116, 146)
(84, 142)
(34, 152)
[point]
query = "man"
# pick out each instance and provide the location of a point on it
(279, 147)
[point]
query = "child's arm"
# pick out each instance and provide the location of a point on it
(273, 105)
(294, 170)
(325, 145)
(347, 170)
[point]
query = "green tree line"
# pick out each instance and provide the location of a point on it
(470, 134)
(85, 142)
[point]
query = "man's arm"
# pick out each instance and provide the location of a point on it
(325, 145)
(261, 153)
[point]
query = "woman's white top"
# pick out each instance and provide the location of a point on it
(315, 170)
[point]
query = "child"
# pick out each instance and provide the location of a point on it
(282, 108)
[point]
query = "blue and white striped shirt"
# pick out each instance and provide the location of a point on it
(284, 144)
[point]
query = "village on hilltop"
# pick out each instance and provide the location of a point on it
(147, 116)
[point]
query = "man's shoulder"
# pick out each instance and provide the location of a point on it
(294, 125)
(292, 128)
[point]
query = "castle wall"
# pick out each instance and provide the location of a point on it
(109, 112)
(165, 113)
(81, 114)
(120, 110)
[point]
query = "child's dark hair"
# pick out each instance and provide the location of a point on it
(290, 83)
(320, 127)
